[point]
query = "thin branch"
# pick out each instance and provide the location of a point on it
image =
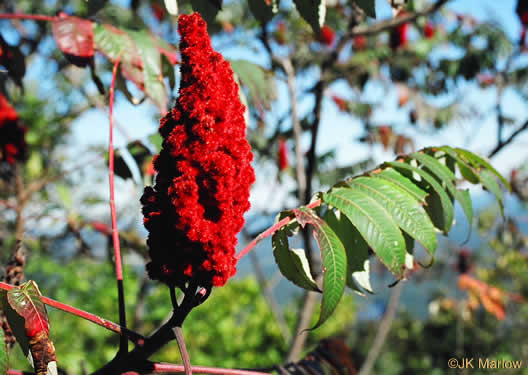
(133, 336)
(393, 22)
(23, 16)
(383, 330)
(123, 347)
(508, 140)
(136, 358)
(183, 350)
(170, 368)
(268, 232)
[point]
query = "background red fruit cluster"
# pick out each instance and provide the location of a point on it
(283, 155)
(327, 36)
(398, 36)
(13, 146)
(195, 210)
(429, 30)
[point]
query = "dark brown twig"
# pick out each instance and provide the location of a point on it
(508, 140)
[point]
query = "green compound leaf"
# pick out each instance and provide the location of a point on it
(334, 262)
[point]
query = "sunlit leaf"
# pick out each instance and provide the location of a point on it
(75, 37)
(374, 223)
(313, 11)
(292, 263)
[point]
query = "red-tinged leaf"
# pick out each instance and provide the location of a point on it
(140, 59)
(151, 62)
(27, 302)
(75, 37)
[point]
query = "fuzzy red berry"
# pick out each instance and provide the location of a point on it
(429, 30)
(360, 43)
(158, 11)
(398, 35)
(195, 209)
(327, 36)
(283, 155)
(13, 146)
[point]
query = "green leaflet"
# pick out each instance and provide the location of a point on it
(439, 207)
(16, 322)
(488, 181)
(447, 178)
(465, 170)
(404, 209)
(334, 261)
(356, 250)
(152, 74)
(402, 182)
(292, 263)
(478, 162)
(258, 81)
(374, 223)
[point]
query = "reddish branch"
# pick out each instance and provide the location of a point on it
(268, 232)
(23, 16)
(134, 337)
(115, 231)
(123, 347)
(169, 368)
